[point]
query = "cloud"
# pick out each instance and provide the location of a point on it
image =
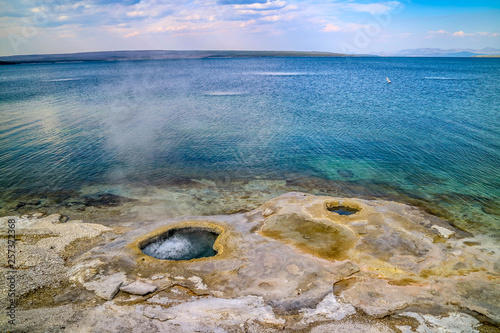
(240, 2)
(489, 34)
(356, 26)
(448, 33)
(131, 34)
(247, 23)
(439, 32)
(461, 34)
(66, 35)
(137, 13)
(270, 5)
(271, 18)
(432, 34)
(271, 11)
(330, 27)
(374, 8)
(194, 17)
(315, 24)
(116, 2)
(171, 28)
(15, 9)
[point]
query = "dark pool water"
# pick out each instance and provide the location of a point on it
(342, 210)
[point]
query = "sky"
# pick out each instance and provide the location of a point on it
(347, 26)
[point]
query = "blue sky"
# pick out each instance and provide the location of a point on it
(353, 26)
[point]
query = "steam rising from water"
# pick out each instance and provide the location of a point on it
(151, 123)
(183, 244)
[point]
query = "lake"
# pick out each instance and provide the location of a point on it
(323, 125)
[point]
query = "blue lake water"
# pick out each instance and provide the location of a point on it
(433, 135)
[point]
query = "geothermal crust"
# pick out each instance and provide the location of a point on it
(292, 264)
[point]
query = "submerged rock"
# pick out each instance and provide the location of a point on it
(105, 200)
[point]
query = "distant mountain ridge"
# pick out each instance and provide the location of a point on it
(437, 52)
(157, 55)
(166, 54)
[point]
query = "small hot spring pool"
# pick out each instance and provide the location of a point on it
(182, 244)
(342, 210)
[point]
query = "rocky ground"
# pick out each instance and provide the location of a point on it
(292, 265)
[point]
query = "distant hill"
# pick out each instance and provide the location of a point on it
(436, 52)
(157, 54)
(488, 56)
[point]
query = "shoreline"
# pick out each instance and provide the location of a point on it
(108, 203)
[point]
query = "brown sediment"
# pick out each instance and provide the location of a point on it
(402, 282)
(28, 239)
(80, 246)
(342, 285)
(191, 197)
(322, 239)
(51, 296)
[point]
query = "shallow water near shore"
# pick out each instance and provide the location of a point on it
(200, 137)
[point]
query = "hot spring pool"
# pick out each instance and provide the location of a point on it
(182, 244)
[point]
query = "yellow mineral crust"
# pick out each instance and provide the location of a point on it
(291, 263)
(220, 244)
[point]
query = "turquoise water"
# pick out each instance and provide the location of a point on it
(431, 136)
